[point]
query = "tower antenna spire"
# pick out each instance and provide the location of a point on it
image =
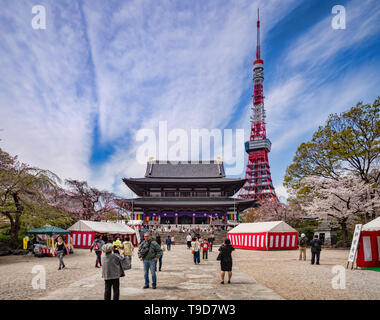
(258, 183)
(258, 36)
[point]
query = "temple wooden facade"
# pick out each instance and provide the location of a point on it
(186, 193)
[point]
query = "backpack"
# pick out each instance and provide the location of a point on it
(302, 241)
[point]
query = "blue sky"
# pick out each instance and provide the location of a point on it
(73, 96)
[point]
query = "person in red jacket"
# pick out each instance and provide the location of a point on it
(205, 245)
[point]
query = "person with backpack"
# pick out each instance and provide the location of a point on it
(97, 247)
(316, 247)
(149, 252)
(168, 243)
(302, 246)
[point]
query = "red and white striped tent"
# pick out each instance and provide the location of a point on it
(369, 245)
(83, 232)
(273, 235)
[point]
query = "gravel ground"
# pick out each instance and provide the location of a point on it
(282, 272)
(16, 274)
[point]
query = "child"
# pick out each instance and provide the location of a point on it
(205, 245)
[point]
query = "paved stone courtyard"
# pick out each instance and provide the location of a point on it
(179, 279)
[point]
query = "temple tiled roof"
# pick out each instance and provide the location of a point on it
(185, 169)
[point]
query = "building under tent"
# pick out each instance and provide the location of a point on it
(369, 245)
(273, 235)
(83, 232)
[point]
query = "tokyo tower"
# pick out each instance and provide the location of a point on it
(259, 184)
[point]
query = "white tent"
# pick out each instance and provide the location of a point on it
(101, 227)
(83, 232)
(373, 225)
(270, 226)
(272, 235)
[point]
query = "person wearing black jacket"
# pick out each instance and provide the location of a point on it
(226, 260)
(316, 247)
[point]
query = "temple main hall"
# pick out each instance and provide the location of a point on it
(186, 193)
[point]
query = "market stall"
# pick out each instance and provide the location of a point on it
(369, 245)
(84, 232)
(45, 238)
(273, 235)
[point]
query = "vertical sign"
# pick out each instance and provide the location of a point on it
(354, 244)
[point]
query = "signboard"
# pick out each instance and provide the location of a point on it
(137, 234)
(354, 243)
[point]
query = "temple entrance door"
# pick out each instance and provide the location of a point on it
(167, 220)
(203, 220)
(185, 219)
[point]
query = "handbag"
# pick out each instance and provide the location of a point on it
(126, 263)
(219, 257)
(192, 251)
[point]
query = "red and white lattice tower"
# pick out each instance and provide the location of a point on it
(259, 182)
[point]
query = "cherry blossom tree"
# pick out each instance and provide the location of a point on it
(23, 190)
(85, 202)
(274, 211)
(344, 201)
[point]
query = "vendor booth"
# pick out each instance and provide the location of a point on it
(45, 238)
(274, 235)
(369, 245)
(83, 232)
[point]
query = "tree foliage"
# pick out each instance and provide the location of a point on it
(23, 189)
(336, 174)
(348, 142)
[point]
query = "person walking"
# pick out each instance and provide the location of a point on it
(97, 247)
(205, 245)
(188, 240)
(195, 246)
(105, 239)
(158, 240)
(316, 247)
(112, 271)
(226, 260)
(61, 250)
(303, 245)
(149, 252)
(128, 248)
(168, 243)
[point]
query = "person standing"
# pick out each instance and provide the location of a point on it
(158, 240)
(195, 246)
(149, 252)
(112, 271)
(316, 247)
(61, 250)
(188, 240)
(128, 248)
(226, 260)
(97, 247)
(168, 243)
(303, 245)
(205, 245)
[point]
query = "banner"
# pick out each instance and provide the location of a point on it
(355, 243)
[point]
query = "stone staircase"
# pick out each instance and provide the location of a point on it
(180, 237)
